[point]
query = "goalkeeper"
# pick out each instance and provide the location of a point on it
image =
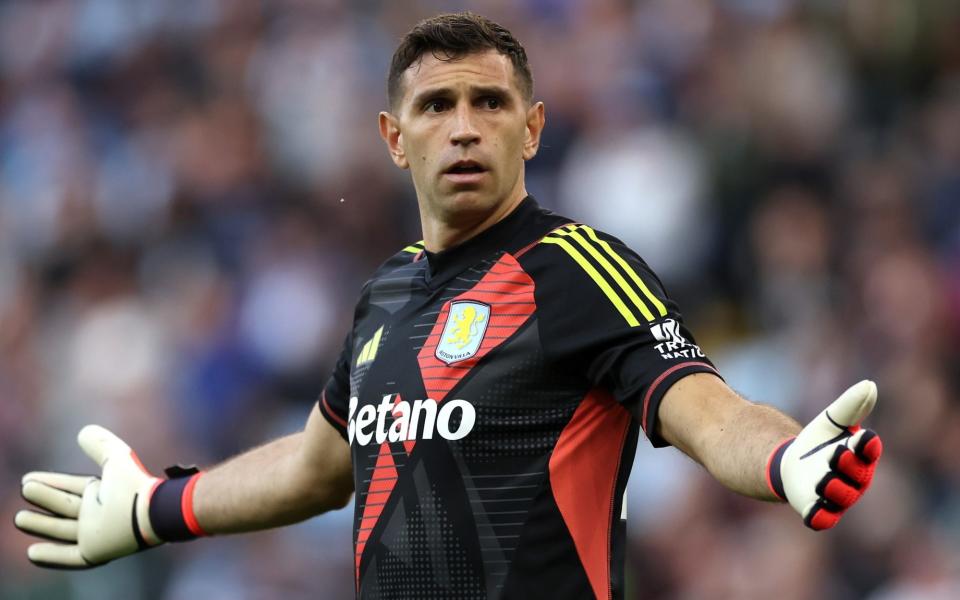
(489, 398)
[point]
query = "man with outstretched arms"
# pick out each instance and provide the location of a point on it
(488, 401)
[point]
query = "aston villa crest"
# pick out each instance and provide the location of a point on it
(463, 332)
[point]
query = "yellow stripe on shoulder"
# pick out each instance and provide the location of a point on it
(629, 270)
(609, 268)
(557, 237)
(414, 248)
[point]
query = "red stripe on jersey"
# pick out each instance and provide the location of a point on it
(656, 383)
(503, 268)
(438, 388)
(384, 478)
(508, 291)
(330, 412)
(523, 250)
(583, 475)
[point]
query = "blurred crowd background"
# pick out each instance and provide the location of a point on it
(193, 192)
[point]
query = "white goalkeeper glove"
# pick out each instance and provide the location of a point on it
(97, 519)
(829, 465)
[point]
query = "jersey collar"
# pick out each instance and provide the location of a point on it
(506, 234)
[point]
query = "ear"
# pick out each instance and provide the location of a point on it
(390, 132)
(535, 122)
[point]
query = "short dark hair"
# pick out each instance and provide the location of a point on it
(452, 36)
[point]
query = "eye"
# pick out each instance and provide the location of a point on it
(436, 106)
(491, 103)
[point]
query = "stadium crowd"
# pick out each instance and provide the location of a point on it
(192, 194)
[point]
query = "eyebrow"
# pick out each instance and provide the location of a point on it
(446, 92)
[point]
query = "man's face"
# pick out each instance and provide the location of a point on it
(463, 129)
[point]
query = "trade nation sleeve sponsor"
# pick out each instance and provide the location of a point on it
(605, 313)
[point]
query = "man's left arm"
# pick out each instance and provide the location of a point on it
(821, 469)
(730, 436)
(604, 314)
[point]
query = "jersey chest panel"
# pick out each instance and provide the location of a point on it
(452, 418)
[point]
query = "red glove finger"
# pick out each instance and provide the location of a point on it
(840, 492)
(821, 518)
(845, 461)
(869, 448)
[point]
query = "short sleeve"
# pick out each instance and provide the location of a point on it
(605, 314)
(335, 399)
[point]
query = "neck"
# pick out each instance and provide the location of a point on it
(440, 233)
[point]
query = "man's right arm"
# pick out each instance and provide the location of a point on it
(285, 481)
(92, 520)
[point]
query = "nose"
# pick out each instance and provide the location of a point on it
(464, 131)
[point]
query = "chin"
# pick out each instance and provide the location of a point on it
(470, 200)
(467, 206)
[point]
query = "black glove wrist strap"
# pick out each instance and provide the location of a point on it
(171, 506)
(774, 479)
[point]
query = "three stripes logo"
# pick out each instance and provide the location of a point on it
(612, 274)
(369, 351)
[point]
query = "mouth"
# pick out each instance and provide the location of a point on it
(465, 172)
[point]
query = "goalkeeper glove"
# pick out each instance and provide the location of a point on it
(123, 511)
(829, 465)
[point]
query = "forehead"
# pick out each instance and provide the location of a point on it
(481, 69)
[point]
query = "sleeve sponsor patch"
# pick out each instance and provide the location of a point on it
(671, 343)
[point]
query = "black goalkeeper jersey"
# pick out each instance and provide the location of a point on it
(492, 395)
